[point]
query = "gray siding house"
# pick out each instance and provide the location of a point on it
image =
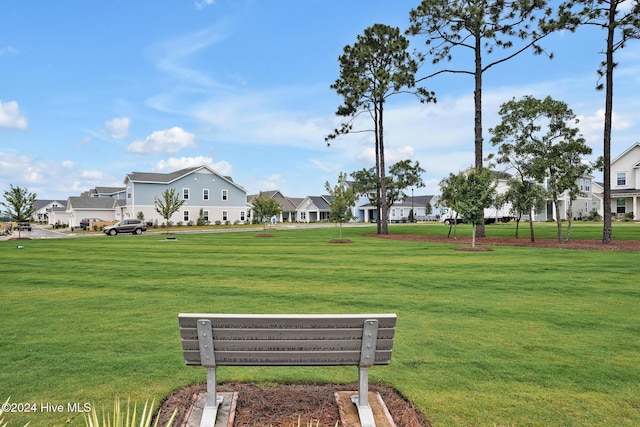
(200, 187)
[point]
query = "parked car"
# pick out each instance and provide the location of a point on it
(24, 226)
(86, 222)
(134, 226)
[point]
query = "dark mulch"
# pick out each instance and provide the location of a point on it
(616, 245)
(283, 405)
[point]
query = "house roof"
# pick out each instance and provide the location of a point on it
(637, 144)
(39, 204)
(95, 203)
(320, 202)
(415, 201)
(167, 178)
(110, 190)
(288, 204)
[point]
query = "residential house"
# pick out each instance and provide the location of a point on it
(287, 204)
(89, 207)
(400, 210)
(581, 207)
(203, 190)
(625, 183)
(43, 209)
(314, 209)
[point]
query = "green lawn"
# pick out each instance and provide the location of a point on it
(516, 336)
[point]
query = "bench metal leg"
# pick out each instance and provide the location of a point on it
(210, 411)
(362, 400)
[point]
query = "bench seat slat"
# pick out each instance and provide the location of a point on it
(288, 358)
(299, 321)
(287, 345)
(222, 334)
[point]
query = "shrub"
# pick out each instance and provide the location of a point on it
(129, 417)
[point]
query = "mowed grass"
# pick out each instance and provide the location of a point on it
(512, 337)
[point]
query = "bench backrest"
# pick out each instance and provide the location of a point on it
(288, 340)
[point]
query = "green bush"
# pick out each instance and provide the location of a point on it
(120, 418)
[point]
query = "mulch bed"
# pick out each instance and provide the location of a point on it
(284, 405)
(483, 242)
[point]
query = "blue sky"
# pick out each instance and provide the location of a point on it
(90, 91)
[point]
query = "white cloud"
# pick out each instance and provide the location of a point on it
(592, 126)
(11, 117)
(201, 4)
(8, 49)
(173, 164)
(391, 154)
(92, 175)
(166, 141)
(118, 128)
(269, 183)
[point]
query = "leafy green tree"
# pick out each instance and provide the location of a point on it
(168, 204)
(402, 175)
(525, 196)
(450, 196)
(478, 192)
(201, 221)
(490, 31)
(343, 198)
(620, 19)
(373, 69)
(264, 208)
(542, 131)
(19, 204)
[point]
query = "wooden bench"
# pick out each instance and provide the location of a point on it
(362, 340)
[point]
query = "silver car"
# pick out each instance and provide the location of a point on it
(134, 226)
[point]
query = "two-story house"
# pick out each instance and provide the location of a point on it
(202, 189)
(581, 207)
(625, 183)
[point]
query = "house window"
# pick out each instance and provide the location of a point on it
(621, 206)
(205, 194)
(241, 215)
(225, 195)
(224, 215)
(621, 178)
(128, 195)
(185, 215)
(205, 215)
(185, 193)
(303, 216)
(587, 185)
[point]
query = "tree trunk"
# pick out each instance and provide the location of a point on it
(608, 111)
(531, 228)
(378, 189)
(477, 128)
(558, 220)
(473, 236)
(384, 225)
(569, 219)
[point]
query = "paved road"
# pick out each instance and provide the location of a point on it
(38, 232)
(35, 233)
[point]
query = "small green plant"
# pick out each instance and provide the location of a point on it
(120, 418)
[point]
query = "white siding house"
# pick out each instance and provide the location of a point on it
(625, 183)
